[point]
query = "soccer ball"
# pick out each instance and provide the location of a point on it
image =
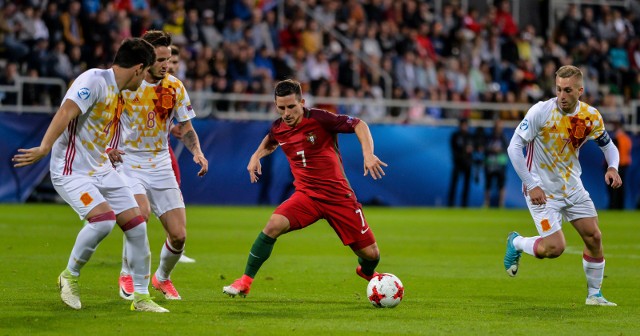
(385, 290)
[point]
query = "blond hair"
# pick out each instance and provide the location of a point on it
(568, 71)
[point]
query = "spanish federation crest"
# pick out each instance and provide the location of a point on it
(311, 137)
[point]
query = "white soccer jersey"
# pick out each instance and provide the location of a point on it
(145, 121)
(81, 147)
(554, 139)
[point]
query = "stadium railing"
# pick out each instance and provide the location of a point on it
(234, 106)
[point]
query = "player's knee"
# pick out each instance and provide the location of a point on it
(594, 238)
(554, 251)
(371, 252)
(178, 241)
(276, 226)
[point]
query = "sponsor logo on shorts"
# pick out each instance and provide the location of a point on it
(86, 199)
(84, 93)
(545, 225)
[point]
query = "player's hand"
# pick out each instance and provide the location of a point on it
(255, 169)
(29, 156)
(537, 196)
(611, 178)
(176, 131)
(204, 164)
(115, 155)
(373, 166)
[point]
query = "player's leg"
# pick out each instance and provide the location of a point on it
(125, 281)
(130, 220)
(549, 243)
(348, 221)
(368, 259)
(176, 172)
(85, 198)
(583, 217)
(296, 213)
(174, 222)
(260, 252)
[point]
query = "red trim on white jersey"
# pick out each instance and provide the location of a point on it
(529, 155)
(71, 148)
(116, 137)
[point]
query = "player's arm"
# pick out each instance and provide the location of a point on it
(519, 163)
(372, 164)
(67, 112)
(266, 147)
(612, 155)
(191, 141)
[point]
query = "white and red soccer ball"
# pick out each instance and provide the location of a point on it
(385, 290)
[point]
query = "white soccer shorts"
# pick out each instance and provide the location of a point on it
(83, 193)
(548, 217)
(160, 186)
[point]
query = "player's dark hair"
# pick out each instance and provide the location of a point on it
(174, 50)
(134, 51)
(157, 38)
(288, 87)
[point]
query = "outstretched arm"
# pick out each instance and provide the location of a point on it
(191, 141)
(372, 164)
(265, 148)
(67, 112)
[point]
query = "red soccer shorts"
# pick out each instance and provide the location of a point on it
(346, 218)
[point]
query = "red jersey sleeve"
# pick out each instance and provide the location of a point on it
(334, 123)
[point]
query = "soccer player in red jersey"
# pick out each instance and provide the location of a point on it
(308, 138)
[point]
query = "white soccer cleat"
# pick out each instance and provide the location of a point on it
(69, 289)
(144, 303)
(186, 260)
(598, 300)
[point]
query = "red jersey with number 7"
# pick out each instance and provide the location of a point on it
(312, 150)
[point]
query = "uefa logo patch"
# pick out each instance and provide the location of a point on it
(84, 93)
(524, 125)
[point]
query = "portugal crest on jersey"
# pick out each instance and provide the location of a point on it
(311, 137)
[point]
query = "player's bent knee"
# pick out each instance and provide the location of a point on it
(277, 225)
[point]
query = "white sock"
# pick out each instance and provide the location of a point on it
(525, 244)
(169, 257)
(139, 257)
(86, 243)
(594, 270)
(125, 263)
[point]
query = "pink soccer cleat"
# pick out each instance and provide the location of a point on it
(166, 287)
(364, 276)
(238, 287)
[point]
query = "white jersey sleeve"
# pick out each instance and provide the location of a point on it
(86, 90)
(80, 149)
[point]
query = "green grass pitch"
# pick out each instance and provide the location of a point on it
(450, 262)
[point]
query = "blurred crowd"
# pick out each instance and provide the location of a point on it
(243, 46)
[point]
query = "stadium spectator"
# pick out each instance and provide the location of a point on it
(555, 192)
(624, 143)
(72, 32)
(495, 164)
(309, 135)
(462, 152)
(393, 27)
